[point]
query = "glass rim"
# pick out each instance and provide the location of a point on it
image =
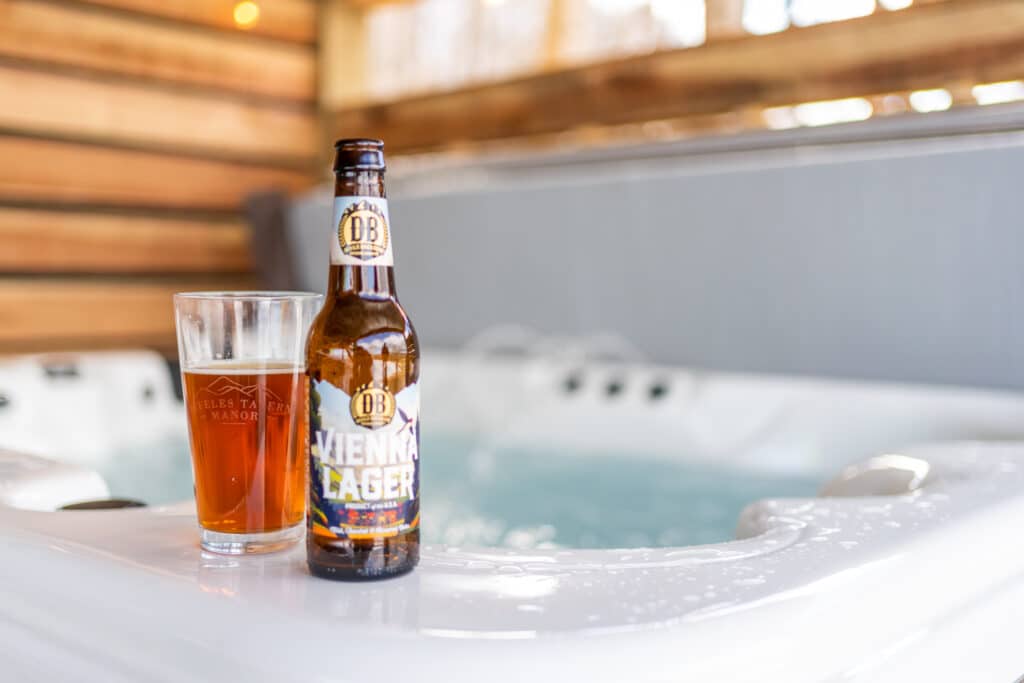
(243, 295)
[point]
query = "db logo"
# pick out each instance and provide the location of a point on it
(363, 231)
(372, 407)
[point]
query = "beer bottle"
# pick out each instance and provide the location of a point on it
(363, 363)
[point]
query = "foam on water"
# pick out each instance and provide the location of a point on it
(531, 498)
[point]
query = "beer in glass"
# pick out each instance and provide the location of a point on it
(245, 392)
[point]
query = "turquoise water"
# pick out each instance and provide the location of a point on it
(532, 498)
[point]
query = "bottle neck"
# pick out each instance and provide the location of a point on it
(348, 275)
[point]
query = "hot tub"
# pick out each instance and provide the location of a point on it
(589, 521)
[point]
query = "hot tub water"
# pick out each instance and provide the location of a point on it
(474, 494)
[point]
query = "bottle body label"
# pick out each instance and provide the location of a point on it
(361, 232)
(364, 461)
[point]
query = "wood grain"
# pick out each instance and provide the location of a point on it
(293, 20)
(920, 47)
(80, 314)
(42, 241)
(33, 169)
(83, 37)
(152, 117)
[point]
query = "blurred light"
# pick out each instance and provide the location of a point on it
(779, 118)
(895, 4)
(765, 16)
(997, 93)
(683, 20)
(808, 12)
(894, 104)
(938, 99)
(494, 3)
(833, 111)
(617, 6)
(246, 14)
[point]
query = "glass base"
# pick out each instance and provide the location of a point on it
(245, 544)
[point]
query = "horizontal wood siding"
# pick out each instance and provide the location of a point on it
(153, 117)
(84, 37)
(47, 241)
(48, 314)
(51, 170)
(293, 20)
(131, 134)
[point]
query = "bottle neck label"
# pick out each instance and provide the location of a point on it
(361, 233)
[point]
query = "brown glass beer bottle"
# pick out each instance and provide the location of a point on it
(363, 364)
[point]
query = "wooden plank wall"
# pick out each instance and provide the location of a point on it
(130, 133)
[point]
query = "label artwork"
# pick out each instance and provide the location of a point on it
(364, 461)
(362, 232)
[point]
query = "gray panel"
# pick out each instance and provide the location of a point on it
(884, 260)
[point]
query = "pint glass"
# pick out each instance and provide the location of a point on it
(242, 369)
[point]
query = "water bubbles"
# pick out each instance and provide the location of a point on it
(489, 493)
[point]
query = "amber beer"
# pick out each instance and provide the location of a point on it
(362, 362)
(247, 426)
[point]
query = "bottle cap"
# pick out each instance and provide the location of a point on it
(360, 154)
